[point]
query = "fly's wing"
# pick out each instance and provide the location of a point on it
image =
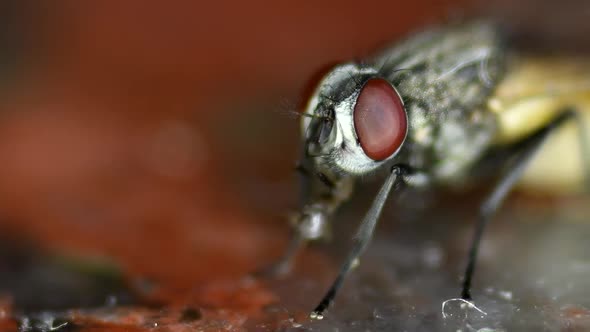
(534, 91)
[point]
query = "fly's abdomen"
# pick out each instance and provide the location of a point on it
(534, 91)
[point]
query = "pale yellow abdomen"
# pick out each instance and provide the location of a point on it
(532, 94)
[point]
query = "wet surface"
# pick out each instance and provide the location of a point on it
(531, 277)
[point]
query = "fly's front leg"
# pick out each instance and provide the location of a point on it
(311, 224)
(584, 139)
(524, 152)
(321, 196)
(399, 176)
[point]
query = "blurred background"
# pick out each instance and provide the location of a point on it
(147, 158)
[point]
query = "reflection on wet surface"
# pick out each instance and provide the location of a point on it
(533, 275)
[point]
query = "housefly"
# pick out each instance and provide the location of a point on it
(428, 111)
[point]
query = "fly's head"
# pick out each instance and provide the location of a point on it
(354, 122)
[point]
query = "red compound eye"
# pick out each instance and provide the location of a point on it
(380, 119)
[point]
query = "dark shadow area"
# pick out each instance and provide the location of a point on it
(34, 280)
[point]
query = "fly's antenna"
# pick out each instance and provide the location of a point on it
(287, 108)
(293, 114)
(292, 110)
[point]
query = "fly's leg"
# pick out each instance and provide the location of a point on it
(363, 236)
(584, 138)
(311, 223)
(523, 155)
(284, 265)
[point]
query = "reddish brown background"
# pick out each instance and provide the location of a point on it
(132, 128)
(156, 133)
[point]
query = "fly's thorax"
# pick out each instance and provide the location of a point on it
(448, 147)
(446, 77)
